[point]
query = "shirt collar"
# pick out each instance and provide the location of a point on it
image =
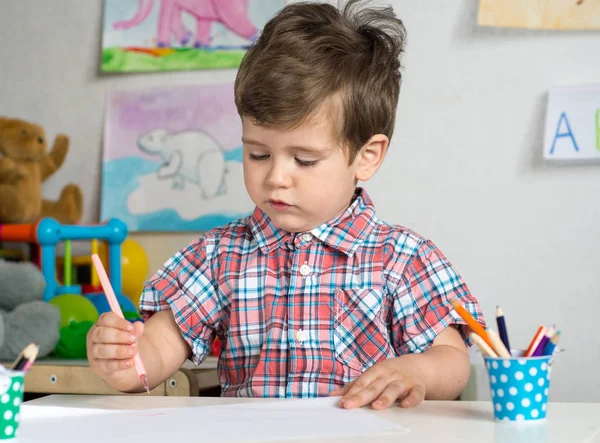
(345, 233)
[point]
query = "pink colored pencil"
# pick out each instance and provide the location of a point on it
(114, 306)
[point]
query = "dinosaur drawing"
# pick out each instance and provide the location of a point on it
(231, 13)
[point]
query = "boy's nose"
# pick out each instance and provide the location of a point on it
(278, 177)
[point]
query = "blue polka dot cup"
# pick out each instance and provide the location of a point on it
(11, 397)
(519, 386)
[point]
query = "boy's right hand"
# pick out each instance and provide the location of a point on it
(111, 344)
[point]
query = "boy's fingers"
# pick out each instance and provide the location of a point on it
(362, 382)
(415, 396)
(112, 320)
(113, 352)
(365, 395)
(341, 391)
(112, 336)
(337, 392)
(138, 328)
(390, 394)
(115, 365)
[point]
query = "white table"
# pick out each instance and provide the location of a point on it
(432, 421)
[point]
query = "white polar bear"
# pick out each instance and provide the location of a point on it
(193, 156)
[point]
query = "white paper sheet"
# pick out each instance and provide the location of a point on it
(36, 413)
(265, 421)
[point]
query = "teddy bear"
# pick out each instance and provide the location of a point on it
(24, 165)
(24, 317)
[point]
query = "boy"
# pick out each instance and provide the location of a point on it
(311, 295)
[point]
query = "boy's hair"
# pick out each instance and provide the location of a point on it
(312, 54)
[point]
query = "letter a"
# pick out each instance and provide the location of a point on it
(558, 134)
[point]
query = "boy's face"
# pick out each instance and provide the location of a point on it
(299, 177)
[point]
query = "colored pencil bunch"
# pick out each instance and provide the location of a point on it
(544, 342)
(492, 344)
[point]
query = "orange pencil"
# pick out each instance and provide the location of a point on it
(471, 322)
(536, 341)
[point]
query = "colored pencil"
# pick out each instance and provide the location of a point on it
(26, 358)
(501, 322)
(498, 345)
(535, 341)
(539, 350)
(114, 306)
(551, 345)
(471, 322)
(483, 346)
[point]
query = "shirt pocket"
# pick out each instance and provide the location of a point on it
(359, 336)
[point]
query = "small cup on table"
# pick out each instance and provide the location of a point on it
(519, 386)
(11, 397)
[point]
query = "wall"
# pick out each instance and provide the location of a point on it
(464, 167)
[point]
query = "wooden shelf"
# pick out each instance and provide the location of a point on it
(76, 377)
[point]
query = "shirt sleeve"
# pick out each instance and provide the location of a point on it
(422, 306)
(185, 285)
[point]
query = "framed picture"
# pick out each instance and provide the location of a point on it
(540, 14)
(173, 159)
(173, 35)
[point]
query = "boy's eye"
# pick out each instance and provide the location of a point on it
(306, 162)
(259, 156)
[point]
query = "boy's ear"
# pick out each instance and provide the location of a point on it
(370, 156)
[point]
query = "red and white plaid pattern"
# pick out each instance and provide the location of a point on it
(299, 314)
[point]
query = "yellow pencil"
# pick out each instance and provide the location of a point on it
(95, 281)
(483, 346)
(498, 345)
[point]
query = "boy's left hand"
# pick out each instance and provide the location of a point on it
(381, 385)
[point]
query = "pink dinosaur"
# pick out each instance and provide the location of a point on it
(232, 13)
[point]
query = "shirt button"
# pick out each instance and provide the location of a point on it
(301, 335)
(305, 270)
(306, 236)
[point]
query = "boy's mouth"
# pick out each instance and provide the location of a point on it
(278, 205)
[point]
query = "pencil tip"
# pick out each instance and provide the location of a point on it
(144, 380)
(499, 312)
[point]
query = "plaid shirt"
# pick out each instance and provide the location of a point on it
(299, 314)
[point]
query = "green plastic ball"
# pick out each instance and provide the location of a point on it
(72, 341)
(74, 308)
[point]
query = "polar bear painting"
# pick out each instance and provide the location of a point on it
(191, 156)
(173, 159)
